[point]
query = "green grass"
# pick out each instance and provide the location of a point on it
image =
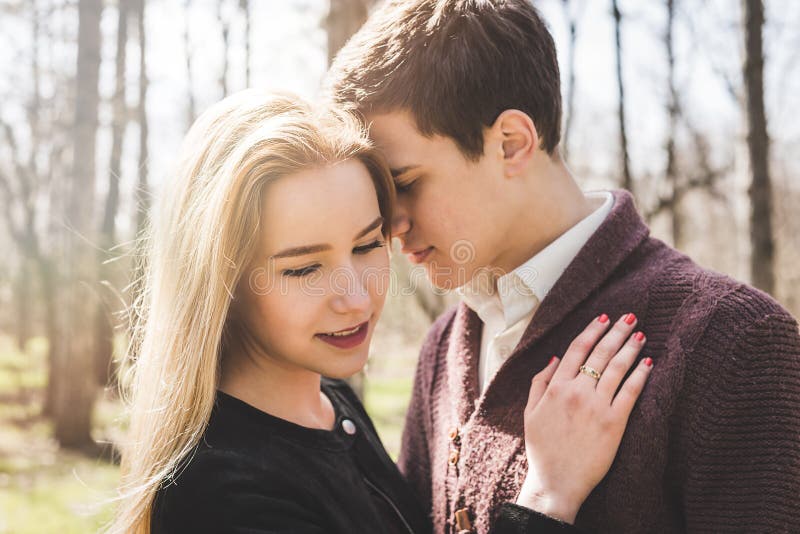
(64, 497)
(386, 400)
(44, 489)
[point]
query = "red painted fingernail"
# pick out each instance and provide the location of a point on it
(638, 336)
(603, 318)
(630, 318)
(554, 358)
(648, 362)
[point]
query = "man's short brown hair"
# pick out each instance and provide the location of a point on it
(455, 65)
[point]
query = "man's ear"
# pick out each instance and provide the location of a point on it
(519, 139)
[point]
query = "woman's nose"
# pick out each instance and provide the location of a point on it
(350, 293)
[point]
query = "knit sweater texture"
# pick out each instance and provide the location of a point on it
(713, 444)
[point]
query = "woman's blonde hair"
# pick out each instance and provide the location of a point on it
(200, 238)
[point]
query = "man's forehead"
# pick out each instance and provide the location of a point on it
(396, 135)
(392, 126)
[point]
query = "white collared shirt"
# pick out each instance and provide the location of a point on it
(507, 311)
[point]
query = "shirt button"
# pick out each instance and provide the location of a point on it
(504, 351)
(453, 433)
(348, 426)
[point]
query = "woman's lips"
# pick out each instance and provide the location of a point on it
(419, 256)
(346, 340)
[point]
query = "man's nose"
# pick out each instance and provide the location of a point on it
(401, 223)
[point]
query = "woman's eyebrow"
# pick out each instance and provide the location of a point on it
(373, 225)
(300, 251)
(312, 249)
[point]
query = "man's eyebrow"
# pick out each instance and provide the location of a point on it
(402, 170)
(312, 249)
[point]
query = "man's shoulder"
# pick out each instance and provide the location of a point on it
(721, 292)
(703, 297)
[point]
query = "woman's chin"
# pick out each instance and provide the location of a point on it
(348, 369)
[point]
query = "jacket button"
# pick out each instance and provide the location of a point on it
(348, 426)
(453, 433)
(453, 458)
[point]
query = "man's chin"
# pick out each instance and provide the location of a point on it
(447, 278)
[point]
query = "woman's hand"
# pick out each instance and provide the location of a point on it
(574, 421)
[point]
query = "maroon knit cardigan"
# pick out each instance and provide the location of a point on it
(713, 444)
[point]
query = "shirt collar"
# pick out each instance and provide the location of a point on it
(520, 291)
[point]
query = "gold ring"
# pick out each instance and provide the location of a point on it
(588, 371)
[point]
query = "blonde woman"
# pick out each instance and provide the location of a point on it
(267, 269)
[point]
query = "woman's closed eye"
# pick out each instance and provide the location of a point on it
(303, 271)
(310, 269)
(364, 249)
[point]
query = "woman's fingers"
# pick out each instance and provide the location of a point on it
(540, 382)
(619, 366)
(572, 432)
(609, 346)
(580, 347)
(626, 398)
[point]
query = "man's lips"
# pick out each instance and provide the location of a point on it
(418, 256)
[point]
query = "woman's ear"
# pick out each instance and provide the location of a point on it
(519, 140)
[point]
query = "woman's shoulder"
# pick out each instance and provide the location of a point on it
(224, 490)
(209, 472)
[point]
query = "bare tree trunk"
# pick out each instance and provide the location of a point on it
(23, 293)
(75, 397)
(47, 282)
(47, 139)
(187, 44)
(142, 189)
(244, 5)
(23, 290)
(225, 23)
(570, 109)
(673, 112)
(761, 235)
(344, 19)
(627, 180)
(105, 322)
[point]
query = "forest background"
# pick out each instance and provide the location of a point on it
(690, 104)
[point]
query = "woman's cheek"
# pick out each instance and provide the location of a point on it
(377, 279)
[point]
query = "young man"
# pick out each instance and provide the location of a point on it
(463, 97)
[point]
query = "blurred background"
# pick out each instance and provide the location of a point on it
(690, 104)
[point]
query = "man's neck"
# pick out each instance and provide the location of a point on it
(558, 204)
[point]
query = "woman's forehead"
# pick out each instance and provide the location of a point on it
(325, 205)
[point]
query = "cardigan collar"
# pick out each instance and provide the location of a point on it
(616, 238)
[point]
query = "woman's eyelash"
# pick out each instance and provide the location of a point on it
(304, 271)
(371, 246)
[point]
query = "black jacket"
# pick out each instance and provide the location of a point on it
(254, 473)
